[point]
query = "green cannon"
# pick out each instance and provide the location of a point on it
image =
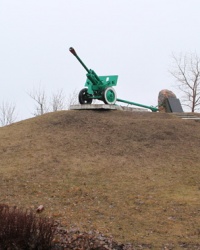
(101, 88)
(97, 87)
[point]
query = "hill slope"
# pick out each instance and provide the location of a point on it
(133, 175)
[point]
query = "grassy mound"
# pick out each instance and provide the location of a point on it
(131, 175)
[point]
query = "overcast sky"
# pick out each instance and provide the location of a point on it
(131, 38)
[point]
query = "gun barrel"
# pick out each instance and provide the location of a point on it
(72, 50)
(153, 109)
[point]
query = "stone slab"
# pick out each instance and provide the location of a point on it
(190, 118)
(187, 116)
(94, 106)
(106, 107)
(173, 105)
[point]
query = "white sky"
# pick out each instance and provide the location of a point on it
(131, 38)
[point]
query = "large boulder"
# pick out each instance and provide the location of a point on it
(162, 96)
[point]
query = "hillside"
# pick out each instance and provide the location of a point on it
(134, 175)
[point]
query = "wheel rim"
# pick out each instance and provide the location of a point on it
(110, 95)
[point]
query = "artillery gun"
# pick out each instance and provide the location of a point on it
(101, 88)
(97, 87)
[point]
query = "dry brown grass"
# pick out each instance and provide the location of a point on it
(135, 176)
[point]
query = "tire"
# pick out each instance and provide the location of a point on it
(83, 97)
(109, 96)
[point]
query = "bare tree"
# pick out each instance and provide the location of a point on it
(58, 101)
(72, 98)
(7, 113)
(187, 74)
(39, 96)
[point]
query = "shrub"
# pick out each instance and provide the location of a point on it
(23, 230)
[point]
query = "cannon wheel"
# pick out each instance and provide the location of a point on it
(83, 97)
(109, 96)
